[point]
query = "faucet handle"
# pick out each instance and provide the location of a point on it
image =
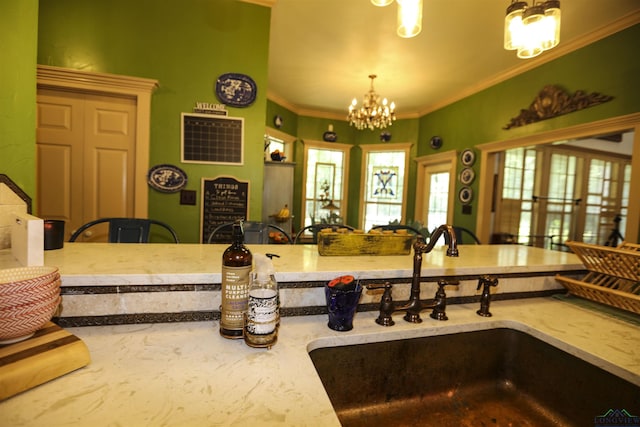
(387, 306)
(487, 281)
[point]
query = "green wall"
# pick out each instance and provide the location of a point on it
(608, 66)
(185, 45)
(18, 32)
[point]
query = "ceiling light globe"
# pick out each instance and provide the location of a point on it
(513, 26)
(551, 31)
(409, 18)
(533, 14)
(381, 3)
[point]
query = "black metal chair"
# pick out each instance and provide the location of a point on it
(254, 233)
(126, 230)
(315, 229)
(464, 236)
(395, 227)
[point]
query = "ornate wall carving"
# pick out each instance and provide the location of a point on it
(553, 101)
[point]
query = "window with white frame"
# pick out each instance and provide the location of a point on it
(517, 215)
(384, 180)
(577, 198)
(325, 178)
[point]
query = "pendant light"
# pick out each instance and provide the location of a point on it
(409, 18)
(532, 29)
(381, 3)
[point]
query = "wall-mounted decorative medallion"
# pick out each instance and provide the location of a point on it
(553, 101)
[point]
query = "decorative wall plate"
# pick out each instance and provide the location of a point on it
(237, 90)
(465, 195)
(330, 136)
(467, 176)
(435, 142)
(277, 121)
(166, 178)
(468, 157)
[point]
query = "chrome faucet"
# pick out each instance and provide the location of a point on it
(414, 306)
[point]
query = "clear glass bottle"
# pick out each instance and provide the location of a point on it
(261, 323)
(236, 276)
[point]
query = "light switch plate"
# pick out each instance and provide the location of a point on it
(187, 197)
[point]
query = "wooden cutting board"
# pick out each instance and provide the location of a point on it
(50, 353)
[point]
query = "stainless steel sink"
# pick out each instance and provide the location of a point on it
(497, 377)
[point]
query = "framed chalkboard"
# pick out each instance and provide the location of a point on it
(208, 138)
(224, 199)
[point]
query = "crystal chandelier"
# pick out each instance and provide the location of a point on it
(532, 29)
(373, 113)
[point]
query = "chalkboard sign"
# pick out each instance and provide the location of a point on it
(224, 200)
(208, 138)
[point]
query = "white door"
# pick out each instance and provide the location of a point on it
(436, 199)
(85, 156)
(435, 190)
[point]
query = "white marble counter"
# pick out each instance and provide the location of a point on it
(141, 283)
(185, 374)
(88, 264)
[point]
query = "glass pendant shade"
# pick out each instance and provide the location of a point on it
(409, 18)
(513, 26)
(530, 45)
(534, 27)
(381, 3)
(533, 14)
(551, 31)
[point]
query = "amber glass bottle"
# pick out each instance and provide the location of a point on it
(236, 271)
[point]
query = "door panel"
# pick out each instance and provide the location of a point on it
(55, 191)
(109, 149)
(86, 158)
(109, 173)
(60, 134)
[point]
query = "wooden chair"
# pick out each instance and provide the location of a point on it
(126, 230)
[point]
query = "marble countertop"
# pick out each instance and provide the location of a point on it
(88, 264)
(186, 374)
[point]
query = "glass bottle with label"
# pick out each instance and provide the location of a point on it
(236, 274)
(261, 324)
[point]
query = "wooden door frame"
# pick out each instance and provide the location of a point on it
(138, 88)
